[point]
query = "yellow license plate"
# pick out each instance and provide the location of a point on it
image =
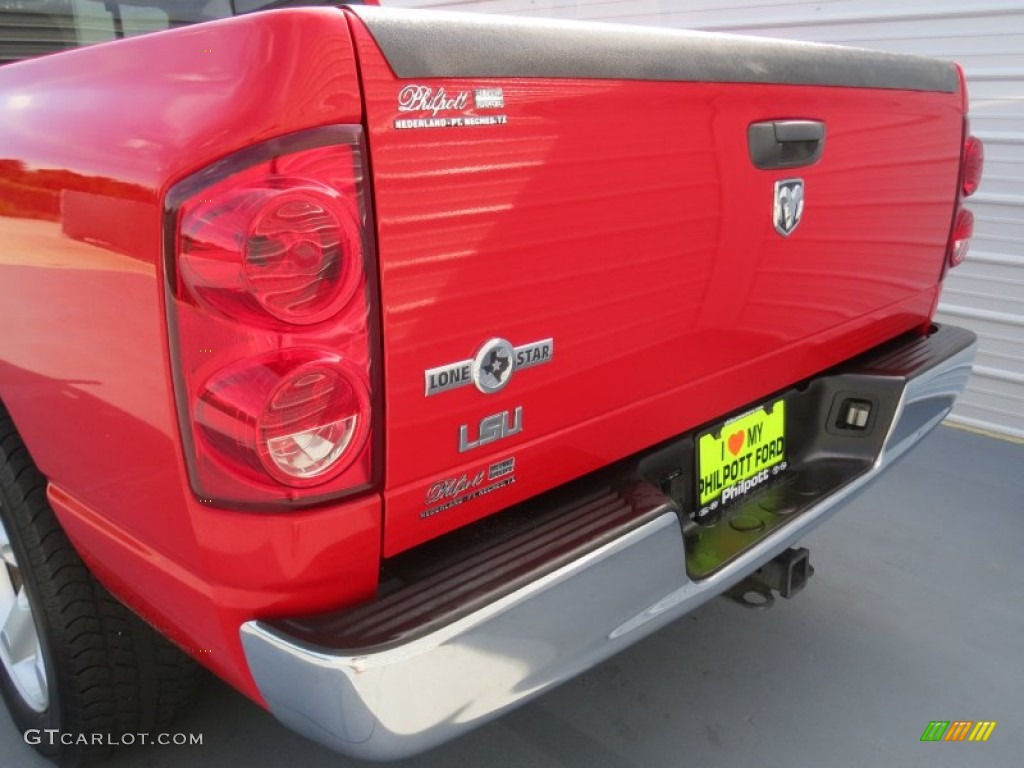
(740, 455)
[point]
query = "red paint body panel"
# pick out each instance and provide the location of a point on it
(640, 241)
(100, 134)
(625, 220)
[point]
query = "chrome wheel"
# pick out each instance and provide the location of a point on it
(20, 651)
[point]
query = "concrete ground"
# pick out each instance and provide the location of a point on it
(916, 613)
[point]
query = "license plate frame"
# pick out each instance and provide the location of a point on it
(739, 455)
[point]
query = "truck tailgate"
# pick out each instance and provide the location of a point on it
(600, 203)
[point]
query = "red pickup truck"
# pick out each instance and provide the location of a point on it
(397, 366)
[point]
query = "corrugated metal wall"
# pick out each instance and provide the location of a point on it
(987, 37)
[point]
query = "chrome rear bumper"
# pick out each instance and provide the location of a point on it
(394, 700)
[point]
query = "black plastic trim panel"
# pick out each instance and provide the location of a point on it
(420, 43)
(901, 357)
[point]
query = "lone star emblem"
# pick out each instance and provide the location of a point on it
(491, 368)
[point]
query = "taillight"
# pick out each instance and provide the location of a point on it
(972, 165)
(972, 162)
(269, 313)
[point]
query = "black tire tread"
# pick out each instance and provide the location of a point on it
(115, 674)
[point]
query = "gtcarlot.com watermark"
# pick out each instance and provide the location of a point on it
(54, 737)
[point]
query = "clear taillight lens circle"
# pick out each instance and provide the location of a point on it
(963, 231)
(315, 422)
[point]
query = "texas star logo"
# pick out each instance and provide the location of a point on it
(496, 364)
(492, 367)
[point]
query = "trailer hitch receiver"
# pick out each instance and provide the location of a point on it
(786, 574)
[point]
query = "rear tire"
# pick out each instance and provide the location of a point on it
(99, 669)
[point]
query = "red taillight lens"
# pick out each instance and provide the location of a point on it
(963, 230)
(294, 253)
(270, 322)
(974, 166)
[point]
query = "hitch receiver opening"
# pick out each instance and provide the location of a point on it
(787, 574)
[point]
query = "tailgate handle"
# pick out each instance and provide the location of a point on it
(786, 143)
